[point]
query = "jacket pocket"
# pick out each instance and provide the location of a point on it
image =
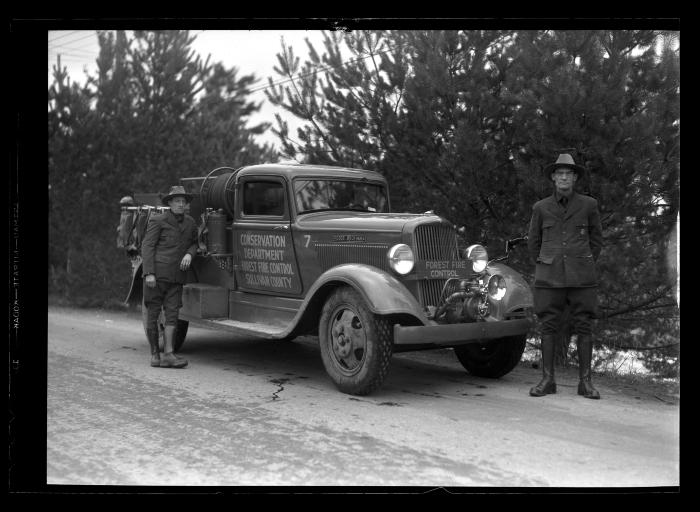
(586, 271)
(546, 274)
(548, 230)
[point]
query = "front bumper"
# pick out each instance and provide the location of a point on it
(459, 334)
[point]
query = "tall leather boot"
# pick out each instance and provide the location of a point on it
(168, 359)
(585, 356)
(152, 335)
(547, 386)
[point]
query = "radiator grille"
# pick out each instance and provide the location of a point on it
(435, 242)
(432, 291)
(331, 255)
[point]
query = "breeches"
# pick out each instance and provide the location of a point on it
(164, 295)
(551, 302)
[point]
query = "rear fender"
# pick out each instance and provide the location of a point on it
(136, 287)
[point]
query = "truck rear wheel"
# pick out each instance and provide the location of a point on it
(180, 329)
(356, 345)
(491, 359)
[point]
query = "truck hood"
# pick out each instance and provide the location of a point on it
(364, 221)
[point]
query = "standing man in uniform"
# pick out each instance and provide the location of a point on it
(168, 248)
(565, 240)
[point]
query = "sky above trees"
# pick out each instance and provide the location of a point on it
(251, 51)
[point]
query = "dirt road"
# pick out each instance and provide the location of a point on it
(249, 412)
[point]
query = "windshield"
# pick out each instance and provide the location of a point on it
(328, 194)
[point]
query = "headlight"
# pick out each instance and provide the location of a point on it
(401, 259)
(479, 257)
(496, 287)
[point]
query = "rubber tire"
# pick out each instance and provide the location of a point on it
(493, 359)
(180, 329)
(378, 333)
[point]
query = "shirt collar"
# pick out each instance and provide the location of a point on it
(558, 196)
(178, 218)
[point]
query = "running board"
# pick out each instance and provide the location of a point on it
(257, 330)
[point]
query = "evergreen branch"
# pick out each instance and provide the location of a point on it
(311, 119)
(319, 69)
(379, 119)
(489, 207)
(640, 305)
(641, 347)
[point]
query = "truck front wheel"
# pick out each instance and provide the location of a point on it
(491, 359)
(356, 345)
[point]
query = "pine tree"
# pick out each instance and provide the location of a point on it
(71, 124)
(152, 114)
(350, 103)
(218, 127)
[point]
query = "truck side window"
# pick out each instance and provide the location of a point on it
(263, 198)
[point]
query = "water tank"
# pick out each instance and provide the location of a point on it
(216, 232)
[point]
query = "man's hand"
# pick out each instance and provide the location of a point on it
(185, 263)
(151, 280)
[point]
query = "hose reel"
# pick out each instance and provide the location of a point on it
(217, 197)
(217, 190)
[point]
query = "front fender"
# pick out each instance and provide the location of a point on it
(518, 292)
(383, 293)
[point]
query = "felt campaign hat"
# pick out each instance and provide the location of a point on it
(565, 160)
(175, 192)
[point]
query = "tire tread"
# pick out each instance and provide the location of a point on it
(383, 330)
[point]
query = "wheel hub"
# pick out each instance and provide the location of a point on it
(348, 340)
(343, 346)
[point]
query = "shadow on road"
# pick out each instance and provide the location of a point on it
(425, 372)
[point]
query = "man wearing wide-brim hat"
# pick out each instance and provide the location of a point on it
(565, 240)
(168, 248)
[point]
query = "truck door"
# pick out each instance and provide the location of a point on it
(263, 246)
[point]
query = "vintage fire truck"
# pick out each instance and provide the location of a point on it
(290, 249)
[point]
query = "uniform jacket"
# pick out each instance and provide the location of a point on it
(565, 243)
(165, 244)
